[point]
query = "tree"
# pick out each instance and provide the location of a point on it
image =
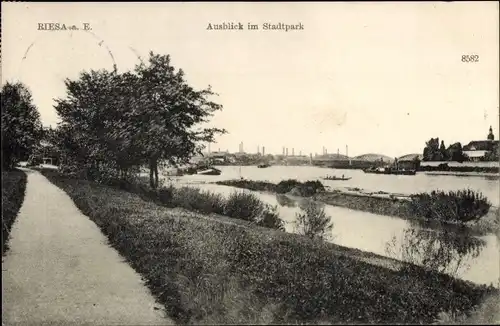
(455, 153)
(168, 112)
(431, 150)
(443, 151)
(21, 125)
(313, 221)
(150, 116)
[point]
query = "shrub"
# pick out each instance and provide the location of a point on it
(197, 200)
(13, 192)
(313, 221)
(245, 206)
(269, 218)
(286, 186)
(459, 206)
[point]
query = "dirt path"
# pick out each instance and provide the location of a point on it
(60, 270)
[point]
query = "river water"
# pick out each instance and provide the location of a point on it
(468, 257)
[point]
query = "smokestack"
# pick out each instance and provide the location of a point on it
(263, 150)
(283, 150)
(293, 151)
(219, 149)
(242, 148)
(326, 151)
(286, 152)
(346, 151)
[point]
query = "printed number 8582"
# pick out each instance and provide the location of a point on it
(470, 58)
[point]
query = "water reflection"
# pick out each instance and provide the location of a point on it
(443, 250)
(285, 201)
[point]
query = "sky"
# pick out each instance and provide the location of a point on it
(378, 77)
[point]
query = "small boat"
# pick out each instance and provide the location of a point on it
(263, 165)
(336, 178)
(211, 171)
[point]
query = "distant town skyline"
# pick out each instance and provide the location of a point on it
(383, 79)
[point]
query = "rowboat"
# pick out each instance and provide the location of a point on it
(263, 165)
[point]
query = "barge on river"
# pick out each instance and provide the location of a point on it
(390, 171)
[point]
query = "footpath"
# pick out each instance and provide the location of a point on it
(60, 270)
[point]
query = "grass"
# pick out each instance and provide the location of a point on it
(210, 271)
(487, 313)
(13, 191)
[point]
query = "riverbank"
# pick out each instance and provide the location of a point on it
(382, 203)
(188, 259)
(13, 191)
(493, 176)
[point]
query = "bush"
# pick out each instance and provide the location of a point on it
(458, 206)
(197, 200)
(269, 218)
(13, 192)
(245, 206)
(313, 221)
(286, 186)
(306, 189)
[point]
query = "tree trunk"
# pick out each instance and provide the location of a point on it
(151, 174)
(156, 175)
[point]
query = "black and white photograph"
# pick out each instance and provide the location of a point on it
(243, 163)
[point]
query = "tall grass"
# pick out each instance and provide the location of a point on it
(13, 192)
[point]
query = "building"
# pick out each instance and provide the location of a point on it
(408, 162)
(478, 150)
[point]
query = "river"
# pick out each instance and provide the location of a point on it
(471, 258)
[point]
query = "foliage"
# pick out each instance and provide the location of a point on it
(198, 200)
(286, 186)
(13, 192)
(431, 150)
(243, 205)
(112, 122)
(305, 189)
(313, 221)
(435, 152)
(460, 206)
(21, 126)
(455, 153)
(260, 275)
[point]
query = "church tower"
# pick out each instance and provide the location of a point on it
(490, 134)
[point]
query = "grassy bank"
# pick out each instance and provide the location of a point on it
(209, 270)
(13, 191)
